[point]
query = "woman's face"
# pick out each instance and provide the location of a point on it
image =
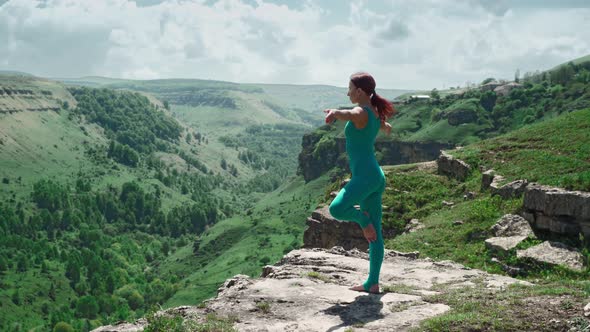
(353, 92)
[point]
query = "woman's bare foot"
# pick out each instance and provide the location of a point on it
(360, 288)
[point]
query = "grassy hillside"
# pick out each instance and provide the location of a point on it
(92, 197)
(554, 152)
(245, 242)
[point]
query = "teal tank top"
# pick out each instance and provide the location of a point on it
(360, 145)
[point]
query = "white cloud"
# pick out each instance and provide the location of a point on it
(405, 44)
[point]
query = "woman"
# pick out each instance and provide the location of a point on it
(368, 181)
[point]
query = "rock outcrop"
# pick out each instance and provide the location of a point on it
(324, 231)
(509, 231)
(505, 89)
(450, 166)
(308, 291)
(557, 210)
(554, 253)
(512, 225)
(492, 181)
(490, 86)
(318, 156)
(509, 190)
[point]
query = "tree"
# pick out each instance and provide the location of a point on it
(435, 95)
(517, 76)
(488, 80)
(488, 100)
(63, 327)
(87, 307)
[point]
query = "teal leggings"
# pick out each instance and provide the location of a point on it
(368, 195)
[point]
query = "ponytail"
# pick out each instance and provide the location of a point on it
(367, 83)
(383, 106)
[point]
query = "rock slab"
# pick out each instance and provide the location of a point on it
(308, 291)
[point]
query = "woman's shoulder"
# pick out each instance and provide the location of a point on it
(369, 110)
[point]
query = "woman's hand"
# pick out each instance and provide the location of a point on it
(330, 115)
(385, 126)
(370, 233)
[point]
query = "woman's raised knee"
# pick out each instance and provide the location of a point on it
(337, 209)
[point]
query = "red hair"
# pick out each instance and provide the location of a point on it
(366, 82)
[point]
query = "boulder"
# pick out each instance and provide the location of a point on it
(324, 231)
(509, 190)
(504, 244)
(413, 226)
(487, 178)
(512, 225)
(555, 253)
(557, 210)
(456, 168)
(557, 201)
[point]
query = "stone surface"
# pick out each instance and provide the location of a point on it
(490, 86)
(308, 291)
(504, 243)
(505, 89)
(448, 165)
(509, 190)
(557, 201)
(553, 253)
(557, 210)
(587, 310)
(413, 226)
(512, 225)
(324, 231)
(487, 178)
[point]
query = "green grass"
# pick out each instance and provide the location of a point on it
(555, 152)
(516, 308)
(176, 323)
(441, 240)
(263, 306)
(400, 289)
(317, 275)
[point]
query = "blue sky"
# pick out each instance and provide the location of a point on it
(419, 44)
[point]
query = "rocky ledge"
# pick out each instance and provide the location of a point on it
(308, 291)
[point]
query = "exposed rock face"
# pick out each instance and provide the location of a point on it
(509, 190)
(448, 165)
(413, 226)
(461, 116)
(510, 230)
(554, 253)
(487, 178)
(503, 243)
(324, 231)
(315, 160)
(512, 225)
(491, 86)
(505, 89)
(557, 210)
(308, 291)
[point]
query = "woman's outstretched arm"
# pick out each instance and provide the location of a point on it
(357, 115)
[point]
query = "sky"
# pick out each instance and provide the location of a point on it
(419, 44)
